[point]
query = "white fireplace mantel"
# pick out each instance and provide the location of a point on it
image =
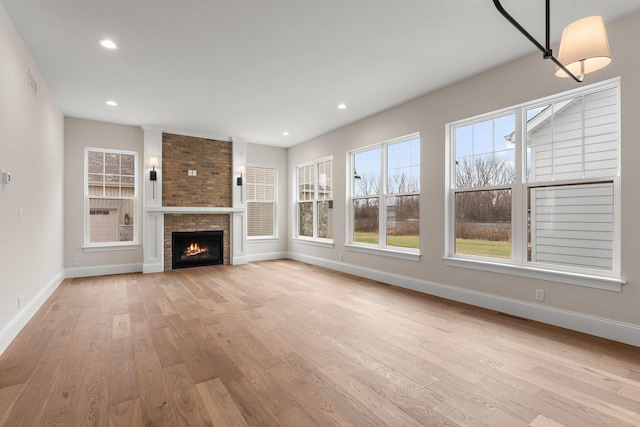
(192, 210)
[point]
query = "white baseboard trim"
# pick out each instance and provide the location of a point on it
(239, 260)
(152, 268)
(605, 328)
(267, 256)
(15, 325)
(102, 270)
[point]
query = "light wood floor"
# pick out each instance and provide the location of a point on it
(284, 343)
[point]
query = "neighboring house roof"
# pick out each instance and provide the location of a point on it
(542, 119)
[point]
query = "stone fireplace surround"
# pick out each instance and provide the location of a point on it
(191, 213)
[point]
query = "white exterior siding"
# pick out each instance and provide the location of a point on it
(578, 139)
(574, 224)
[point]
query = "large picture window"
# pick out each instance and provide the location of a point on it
(110, 197)
(315, 200)
(261, 201)
(537, 186)
(385, 195)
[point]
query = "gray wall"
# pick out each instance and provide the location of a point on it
(526, 79)
(81, 133)
(263, 155)
(31, 148)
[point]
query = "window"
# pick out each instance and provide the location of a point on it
(315, 200)
(110, 197)
(537, 186)
(385, 195)
(261, 201)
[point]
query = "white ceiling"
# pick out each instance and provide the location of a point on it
(252, 69)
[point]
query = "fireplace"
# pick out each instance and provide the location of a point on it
(197, 248)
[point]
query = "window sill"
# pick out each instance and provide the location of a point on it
(267, 239)
(393, 253)
(586, 280)
(315, 242)
(109, 248)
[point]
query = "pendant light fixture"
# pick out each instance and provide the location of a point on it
(584, 46)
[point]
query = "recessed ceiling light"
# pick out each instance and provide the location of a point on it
(111, 103)
(342, 107)
(107, 44)
(285, 133)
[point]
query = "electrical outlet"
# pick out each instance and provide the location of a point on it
(20, 214)
(340, 256)
(539, 295)
(76, 261)
(19, 302)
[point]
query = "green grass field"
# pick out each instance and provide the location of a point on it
(463, 246)
(483, 248)
(400, 241)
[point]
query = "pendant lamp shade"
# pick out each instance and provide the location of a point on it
(584, 47)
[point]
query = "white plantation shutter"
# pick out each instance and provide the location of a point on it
(260, 201)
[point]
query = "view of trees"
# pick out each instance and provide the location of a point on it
(403, 212)
(484, 214)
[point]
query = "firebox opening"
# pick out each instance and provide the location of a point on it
(195, 249)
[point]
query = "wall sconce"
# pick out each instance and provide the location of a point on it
(239, 181)
(153, 177)
(584, 46)
(241, 172)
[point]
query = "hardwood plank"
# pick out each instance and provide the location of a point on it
(137, 313)
(358, 401)
(296, 416)
(65, 397)
(123, 385)
(266, 384)
(8, 397)
(166, 347)
(219, 404)
(287, 344)
(121, 326)
(314, 403)
(542, 421)
(126, 413)
(141, 334)
(93, 403)
(253, 410)
(155, 402)
(184, 397)
(17, 366)
(24, 412)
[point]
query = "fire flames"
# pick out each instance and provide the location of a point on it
(195, 249)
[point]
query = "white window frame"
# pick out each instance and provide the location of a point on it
(106, 246)
(381, 248)
(296, 233)
(518, 265)
(274, 202)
